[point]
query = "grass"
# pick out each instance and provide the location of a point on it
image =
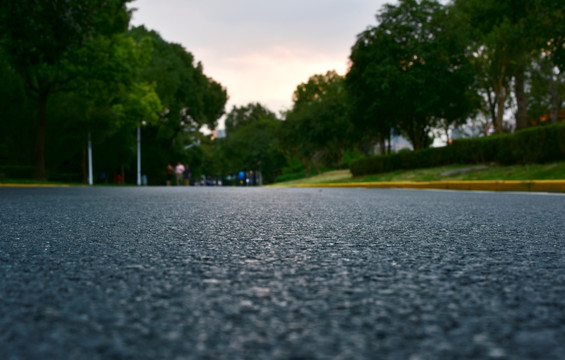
(552, 171)
(36, 182)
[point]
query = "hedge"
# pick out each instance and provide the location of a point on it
(27, 172)
(539, 144)
(16, 172)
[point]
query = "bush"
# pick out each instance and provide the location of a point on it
(16, 172)
(534, 145)
(290, 176)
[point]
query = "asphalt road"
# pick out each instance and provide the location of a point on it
(257, 273)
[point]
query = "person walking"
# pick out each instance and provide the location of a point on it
(169, 172)
(179, 170)
(186, 174)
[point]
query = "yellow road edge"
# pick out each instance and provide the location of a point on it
(33, 185)
(484, 185)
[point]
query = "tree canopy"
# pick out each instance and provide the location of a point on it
(317, 127)
(54, 46)
(408, 72)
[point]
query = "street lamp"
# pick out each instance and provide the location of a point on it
(143, 123)
(90, 181)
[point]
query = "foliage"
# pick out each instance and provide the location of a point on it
(535, 145)
(504, 37)
(108, 84)
(253, 144)
(408, 72)
(317, 128)
(50, 45)
(547, 92)
(16, 112)
(189, 97)
(240, 116)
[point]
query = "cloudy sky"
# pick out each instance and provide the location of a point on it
(261, 50)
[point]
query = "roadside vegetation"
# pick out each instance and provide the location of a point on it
(551, 171)
(463, 72)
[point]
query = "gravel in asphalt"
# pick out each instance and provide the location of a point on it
(255, 273)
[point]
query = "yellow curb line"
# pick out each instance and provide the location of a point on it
(485, 185)
(33, 185)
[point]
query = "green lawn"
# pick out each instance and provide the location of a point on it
(552, 171)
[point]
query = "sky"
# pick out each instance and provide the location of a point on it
(260, 50)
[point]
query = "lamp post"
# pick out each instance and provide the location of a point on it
(90, 181)
(138, 155)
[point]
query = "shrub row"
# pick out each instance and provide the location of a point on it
(27, 172)
(539, 144)
(16, 172)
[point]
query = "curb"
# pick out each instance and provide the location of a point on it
(32, 185)
(483, 185)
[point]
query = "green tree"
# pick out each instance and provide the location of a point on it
(506, 36)
(16, 127)
(409, 72)
(240, 116)
(189, 99)
(550, 23)
(547, 92)
(109, 106)
(255, 147)
(317, 128)
(252, 142)
(45, 42)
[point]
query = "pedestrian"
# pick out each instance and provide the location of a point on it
(186, 174)
(179, 170)
(241, 177)
(169, 172)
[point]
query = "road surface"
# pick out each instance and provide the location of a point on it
(257, 273)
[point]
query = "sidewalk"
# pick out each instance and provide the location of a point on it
(485, 185)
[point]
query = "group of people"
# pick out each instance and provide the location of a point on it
(181, 173)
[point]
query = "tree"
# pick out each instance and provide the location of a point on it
(240, 116)
(255, 147)
(252, 142)
(505, 37)
(550, 22)
(16, 129)
(409, 71)
(317, 127)
(189, 99)
(46, 42)
(547, 92)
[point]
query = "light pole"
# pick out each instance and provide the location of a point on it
(138, 155)
(90, 181)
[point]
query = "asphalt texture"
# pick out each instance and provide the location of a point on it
(256, 273)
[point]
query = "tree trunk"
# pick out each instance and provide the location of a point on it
(501, 94)
(306, 164)
(491, 106)
(382, 144)
(554, 96)
(316, 161)
(500, 101)
(521, 101)
(418, 134)
(40, 139)
(84, 166)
